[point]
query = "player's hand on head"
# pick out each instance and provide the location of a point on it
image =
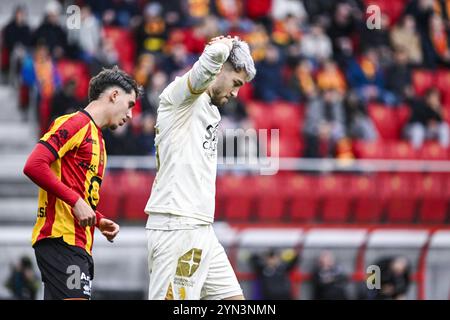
(109, 229)
(228, 40)
(84, 213)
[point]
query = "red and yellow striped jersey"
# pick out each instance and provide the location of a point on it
(79, 148)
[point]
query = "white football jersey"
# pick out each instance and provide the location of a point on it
(186, 142)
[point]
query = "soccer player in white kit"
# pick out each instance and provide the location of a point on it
(185, 259)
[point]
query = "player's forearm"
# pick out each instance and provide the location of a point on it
(37, 168)
(209, 65)
(215, 55)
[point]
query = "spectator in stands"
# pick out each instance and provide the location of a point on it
(16, 41)
(359, 125)
(317, 9)
(395, 275)
(436, 43)
(174, 14)
(150, 99)
(366, 76)
(316, 45)
(87, 37)
(377, 39)
(328, 279)
(121, 13)
(345, 21)
(331, 78)
(145, 67)
(426, 121)
(106, 57)
(287, 32)
(51, 33)
(145, 139)
(283, 8)
(421, 10)
(195, 11)
(65, 100)
(178, 61)
(302, 80)
(404, 36)
(23, 282)
(234, 116)
(269, 83)
(399, 79)
(324, 124)
(258, 40)
(120, 141)
(232, 19)
(40, 73)
(272, 271)
(125, 11)
(175, 33)
(152, 33)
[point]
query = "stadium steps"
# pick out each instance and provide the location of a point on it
(18, 210)
(16, 136)
(17, 193)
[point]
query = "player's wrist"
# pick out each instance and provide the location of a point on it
(99, 217)
(75, 201)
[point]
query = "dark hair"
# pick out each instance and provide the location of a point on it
(108, 78)
(432, 90)
(26, 262)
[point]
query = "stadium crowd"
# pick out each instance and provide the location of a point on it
(318, 56)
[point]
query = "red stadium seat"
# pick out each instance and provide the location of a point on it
(270, 200)
(446, 114)
(303, 197)
(369, 150)
(385, 120)
(4, 58)
(433, 151)
(110, 196)
(431, 189)
(289, 147)
(401, 200)
(286, 117)
(220, 199)
(336, 199)
(393, 9)
(137, 186)
(403, 115)
(400, 150)
(422, 80)
(443, 83)
(258, 112)
(239, 193)
(246, 92)
(367, 205)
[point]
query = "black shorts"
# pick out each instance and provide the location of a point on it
(67, 271)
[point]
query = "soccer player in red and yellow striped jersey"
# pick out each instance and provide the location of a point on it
(68, 164)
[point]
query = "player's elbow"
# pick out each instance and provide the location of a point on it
(28, 169)
(31, 167)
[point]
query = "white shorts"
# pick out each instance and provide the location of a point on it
(189, 264)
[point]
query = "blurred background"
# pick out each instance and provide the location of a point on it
(361, 99)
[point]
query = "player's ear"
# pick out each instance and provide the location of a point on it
(113, 95)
